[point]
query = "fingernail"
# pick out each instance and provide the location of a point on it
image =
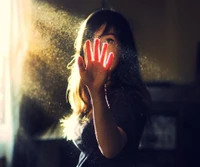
(96, 40)
(105, 44)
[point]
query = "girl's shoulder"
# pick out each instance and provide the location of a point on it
(129, 98)
(124, 90)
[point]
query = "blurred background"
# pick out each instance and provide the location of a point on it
(36, 44)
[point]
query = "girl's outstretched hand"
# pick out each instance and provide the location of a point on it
(95, 70)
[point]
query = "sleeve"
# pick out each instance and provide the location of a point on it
(129, 113)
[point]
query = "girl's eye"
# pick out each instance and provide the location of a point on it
(109, 40)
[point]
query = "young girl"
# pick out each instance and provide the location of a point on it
(107, 96)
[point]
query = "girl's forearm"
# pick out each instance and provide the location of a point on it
(111, 139)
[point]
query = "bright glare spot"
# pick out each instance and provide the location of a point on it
(1, 70)
(5, 15)
(71, 130)
(5, 19)
(1, 96)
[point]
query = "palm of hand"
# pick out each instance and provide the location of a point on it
(95, 72)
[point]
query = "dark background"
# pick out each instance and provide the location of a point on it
(167, 36)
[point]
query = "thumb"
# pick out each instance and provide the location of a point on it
(81, 64)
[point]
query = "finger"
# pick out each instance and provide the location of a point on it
(81, 65)
(104, 52)
(96, 49)
(88, 51)
(109, 60)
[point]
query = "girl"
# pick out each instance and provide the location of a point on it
(107, 96)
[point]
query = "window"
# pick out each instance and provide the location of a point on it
(14, 18)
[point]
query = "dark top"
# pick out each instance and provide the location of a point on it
(129, 112)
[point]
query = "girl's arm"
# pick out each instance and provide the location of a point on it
(110, 137)
(94, 73)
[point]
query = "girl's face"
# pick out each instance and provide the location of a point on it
(111, 40)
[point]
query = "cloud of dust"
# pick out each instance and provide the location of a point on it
(45, 73)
